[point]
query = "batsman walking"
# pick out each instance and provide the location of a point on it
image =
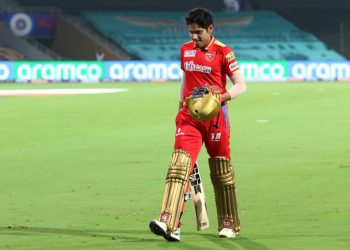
(203, 118)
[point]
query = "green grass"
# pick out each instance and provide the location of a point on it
(88, 171)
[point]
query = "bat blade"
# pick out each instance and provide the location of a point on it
(198, 200)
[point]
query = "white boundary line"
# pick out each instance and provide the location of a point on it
(34, 92)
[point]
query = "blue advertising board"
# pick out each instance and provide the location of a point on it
(319, 70)
(6, 71)
(38, 25)
(116, 71)
(143, 70)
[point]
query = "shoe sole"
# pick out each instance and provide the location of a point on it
(226, 237)
(157, 230)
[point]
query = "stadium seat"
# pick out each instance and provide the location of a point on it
(254, 35)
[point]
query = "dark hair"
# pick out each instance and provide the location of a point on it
(200, 16)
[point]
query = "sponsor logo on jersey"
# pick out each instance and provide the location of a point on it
(190, 53)
(233, 66)
(215, 136)
(191, 66)
(209, 56)
(230, 56)
(178, 132)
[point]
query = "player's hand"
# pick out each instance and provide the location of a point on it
(204, 103)
(181, 105)
(225, 97)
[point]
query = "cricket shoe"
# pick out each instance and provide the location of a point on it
(227, 233)
(160, 228)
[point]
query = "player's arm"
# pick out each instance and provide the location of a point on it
(239, 86)
(181, 92)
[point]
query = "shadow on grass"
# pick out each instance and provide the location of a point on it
(240, 241)
(94, 233)
(137, 236)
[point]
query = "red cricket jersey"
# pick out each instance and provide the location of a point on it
(210, 65)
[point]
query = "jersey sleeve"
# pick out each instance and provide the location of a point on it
(181, 57)
(229, 61)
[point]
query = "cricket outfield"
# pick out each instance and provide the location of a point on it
(88, 171)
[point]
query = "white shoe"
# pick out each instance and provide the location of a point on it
(160, 228)
(227, 233)
(174, 236)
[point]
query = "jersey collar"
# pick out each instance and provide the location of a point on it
(207, 47)
(210, 43)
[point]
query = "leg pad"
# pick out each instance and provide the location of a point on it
(223, 180)
(176, 180)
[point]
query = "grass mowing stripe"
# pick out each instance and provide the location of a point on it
(87, 172)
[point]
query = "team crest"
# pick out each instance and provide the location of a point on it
(164, 217)
(209, 56)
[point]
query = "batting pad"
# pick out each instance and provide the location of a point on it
(223, 179)
(176, 180)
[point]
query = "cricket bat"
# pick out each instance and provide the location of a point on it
(198, 199)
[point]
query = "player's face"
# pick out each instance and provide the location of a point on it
(199, 35)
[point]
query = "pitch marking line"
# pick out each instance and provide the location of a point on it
(55, 92)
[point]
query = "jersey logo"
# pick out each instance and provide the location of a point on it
(179, 132)
(209, 56)
(230, 56)
(215, 137)
(233, 66)
(190, 66)
(190, 53)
